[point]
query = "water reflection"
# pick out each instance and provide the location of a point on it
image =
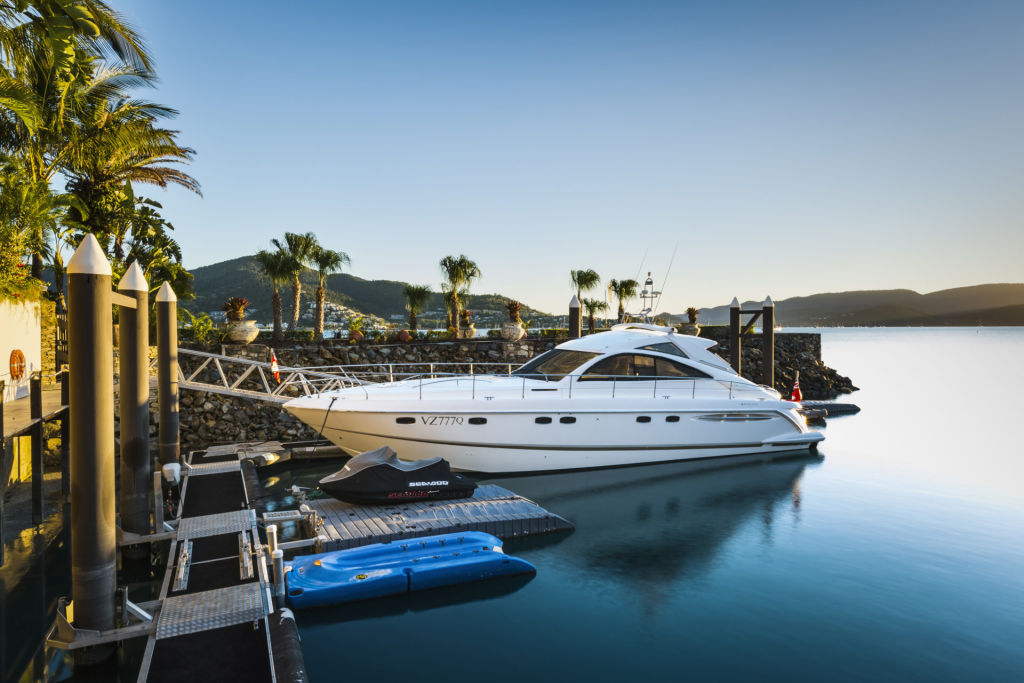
(34, 574)
(652, 526)
(449, 596)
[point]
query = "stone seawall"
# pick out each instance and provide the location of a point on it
(208, 418)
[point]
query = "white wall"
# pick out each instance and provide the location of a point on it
(20, 328)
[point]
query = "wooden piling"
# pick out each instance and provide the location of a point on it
(136, 500)
(65, 433)
(35, 392)
(93, 537)
(575, 319)
(167, 373)
(735, 338)
(768, 342)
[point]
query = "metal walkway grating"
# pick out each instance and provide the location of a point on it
(220, 523)
(212, 609)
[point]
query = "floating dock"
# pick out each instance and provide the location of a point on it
(217, 619)
(491, 509)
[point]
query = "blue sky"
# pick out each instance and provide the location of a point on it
(787, 148)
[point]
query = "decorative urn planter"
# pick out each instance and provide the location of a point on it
(355, 336)
(242, 331)
(513, 331)
(690, 328)
(467, 332)
(404, 336)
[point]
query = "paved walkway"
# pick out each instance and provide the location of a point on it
(17, 413)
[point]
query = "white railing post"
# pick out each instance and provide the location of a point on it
(391, 372)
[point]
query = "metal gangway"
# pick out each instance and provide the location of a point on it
(247, 378)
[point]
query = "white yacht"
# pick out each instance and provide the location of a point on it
(638, 393)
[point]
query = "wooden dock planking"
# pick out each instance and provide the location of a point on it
(491, 509)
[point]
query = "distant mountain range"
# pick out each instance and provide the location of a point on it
(215, 283)
(994, 304)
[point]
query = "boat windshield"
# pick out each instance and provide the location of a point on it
(555, 364)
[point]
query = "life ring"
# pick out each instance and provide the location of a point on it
(17, 364)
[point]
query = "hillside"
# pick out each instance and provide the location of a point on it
(215, 283)
(993, 304)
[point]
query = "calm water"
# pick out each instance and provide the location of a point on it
(897, 555)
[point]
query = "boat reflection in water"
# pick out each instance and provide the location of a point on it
(646, 528)
(653, 525)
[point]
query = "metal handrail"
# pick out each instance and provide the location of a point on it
(620, 385)
(294, 381)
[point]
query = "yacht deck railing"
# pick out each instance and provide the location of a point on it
(255, 379)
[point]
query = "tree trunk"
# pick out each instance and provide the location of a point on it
(296, 299)
(412, 320)
(622, 311)
(58, 283)
(318, 323)
(457, 321)
(590, 324)
(276, 302)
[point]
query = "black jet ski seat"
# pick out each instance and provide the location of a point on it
(380, 476)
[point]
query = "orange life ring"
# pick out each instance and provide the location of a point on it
(17, 364)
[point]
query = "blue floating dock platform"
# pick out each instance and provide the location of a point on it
(382, 569)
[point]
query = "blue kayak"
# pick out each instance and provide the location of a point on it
(373, 571)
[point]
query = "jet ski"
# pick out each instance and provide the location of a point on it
(379, 477)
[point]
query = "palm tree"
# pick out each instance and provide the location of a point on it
(593, 306)
(276, 265)
(622, 290)
(326, 261)
(299, 249)
(61, 40)
(51, 52)
(416, 297)
(460, 273)
(584, 281)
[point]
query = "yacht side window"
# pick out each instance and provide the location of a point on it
(665, 347)
(670, 369)
(613, 367)
(555, 364)
(638, 367)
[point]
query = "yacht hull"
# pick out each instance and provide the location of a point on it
(534, 441)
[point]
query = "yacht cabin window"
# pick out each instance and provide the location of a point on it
(665, 347)
(635, 366)
(555, 364)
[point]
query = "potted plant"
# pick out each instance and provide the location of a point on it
(355, 330)
(240, 330)
(404, 336)
(513, 330)
(690, 327)
(468, 330)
